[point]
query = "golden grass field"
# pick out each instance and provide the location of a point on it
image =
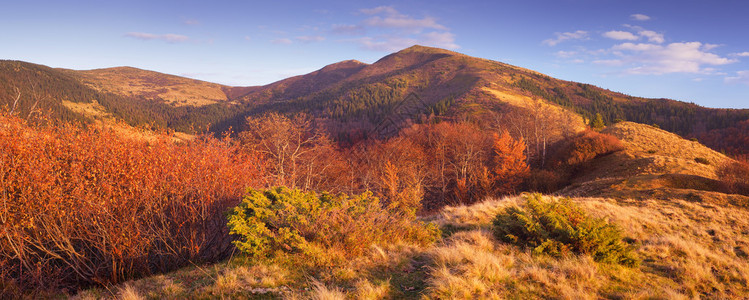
(179, 91)
(688, 250)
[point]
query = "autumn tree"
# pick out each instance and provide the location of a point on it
(510, 167)
(299, 155)
(540, 125)
(400, 173)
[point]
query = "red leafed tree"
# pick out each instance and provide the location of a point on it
(510, 167)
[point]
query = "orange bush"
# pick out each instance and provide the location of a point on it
(735, 175)
(84, 206)
(584, 147)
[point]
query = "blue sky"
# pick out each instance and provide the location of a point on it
(695, 51)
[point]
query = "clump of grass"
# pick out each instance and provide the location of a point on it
(365, 289)
(558, 227)
(322, 292)
(128, 292)
(257, 279)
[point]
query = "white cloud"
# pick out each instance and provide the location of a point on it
(565, 54)
(690, 57)
(742, 54)
(395, 30)
(620, 35)
(564, 36)
(709, 47)
(439, 39)
(344, 29)
(394, 43)
(608, 62)
(741, 77)
(389, 10)
(388, 44)
(404, 22)
(636, 47)
(389, 17)
(169, 37)
(652, 36)
(283, 41)
(639, 17)
(310, 38)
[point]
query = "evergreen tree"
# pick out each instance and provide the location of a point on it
(597, 122)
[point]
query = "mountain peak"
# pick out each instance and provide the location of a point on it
(346, 64)
(426, 50)
(411, 57)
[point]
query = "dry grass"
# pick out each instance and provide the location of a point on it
(258, 279)
(322, 292)
(473, 265)
(655, 164)
(476, 215)
(372, 291)
(668, 152)
(152, 85)
(688, 250)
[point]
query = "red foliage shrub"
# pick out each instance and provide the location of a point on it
(584, 147)
(735, 175)
(544, 181)
(82, 206)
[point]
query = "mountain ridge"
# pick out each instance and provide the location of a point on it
(351, 94)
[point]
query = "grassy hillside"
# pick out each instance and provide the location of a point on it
(132, 82)
(52, 94)
(655, 164)
(686, 250)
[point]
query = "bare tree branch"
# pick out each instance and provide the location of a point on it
(15, 102)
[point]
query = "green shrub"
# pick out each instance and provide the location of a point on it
(559, 227)
(323, 227)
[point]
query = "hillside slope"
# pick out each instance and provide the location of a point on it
(127, 81)
(654, 164)
(687, 250)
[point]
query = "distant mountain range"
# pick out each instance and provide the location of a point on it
(354, 99)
